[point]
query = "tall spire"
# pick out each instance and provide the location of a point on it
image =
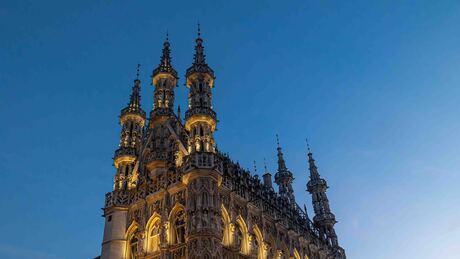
(200, 57)
(199, 64)
(165, 65)
(200, 118)
(132, 120)
(281, 163)
(164, 79)
(314, 174)
(134, 105)
(284, 177)
(324, 219)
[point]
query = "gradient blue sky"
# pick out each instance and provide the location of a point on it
(373, 84)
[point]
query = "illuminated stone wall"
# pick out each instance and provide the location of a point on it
(177, 196)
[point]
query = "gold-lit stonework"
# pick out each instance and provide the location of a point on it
(200, 118)
(165, 76)
(176, 196)
(134, 117)
(195, 76)
(123, 160)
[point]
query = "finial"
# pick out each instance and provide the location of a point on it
(308, 145)
(255, 167)
(199, 30)
(167, 35)
(277, 140)
(178, 112)
(265, 165)
(137, 71)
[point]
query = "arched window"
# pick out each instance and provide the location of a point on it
(227, 237)
(154, 237)
(179, 228)
(242, 236)
(258, 248)
(133, 242)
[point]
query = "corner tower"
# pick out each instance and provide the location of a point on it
(164, 80)
(202, 167)
(324, 219)
(160, 147)
(284, 177)
(132, 120)
(200, 119)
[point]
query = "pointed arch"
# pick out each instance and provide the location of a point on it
(177, 221)
(131, 240)
(131, 229)
(243, 235)
(153, 230)
(261, 253)
(227, 233)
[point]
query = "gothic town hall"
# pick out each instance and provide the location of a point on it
(176, 196)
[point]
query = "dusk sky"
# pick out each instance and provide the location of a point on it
(374, 85)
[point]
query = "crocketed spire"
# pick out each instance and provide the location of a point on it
(134, 105)
(199, 59)
(284, 177)
(281, 163)
(324, 219)
(314, 175)
(165, 61)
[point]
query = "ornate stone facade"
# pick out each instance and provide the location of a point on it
(176, 196)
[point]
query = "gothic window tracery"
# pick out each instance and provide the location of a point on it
(132, 246)
(226, 228)
(179, 228)
(258, 244)
(154, 237)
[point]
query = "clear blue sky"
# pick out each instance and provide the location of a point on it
(373, 84)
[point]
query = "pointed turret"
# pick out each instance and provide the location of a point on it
(134, 105)
(165, 61)
(164, 79)
(200, 119)
(324, 219)
(132, 120)
(199, 65)
(283, 177)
